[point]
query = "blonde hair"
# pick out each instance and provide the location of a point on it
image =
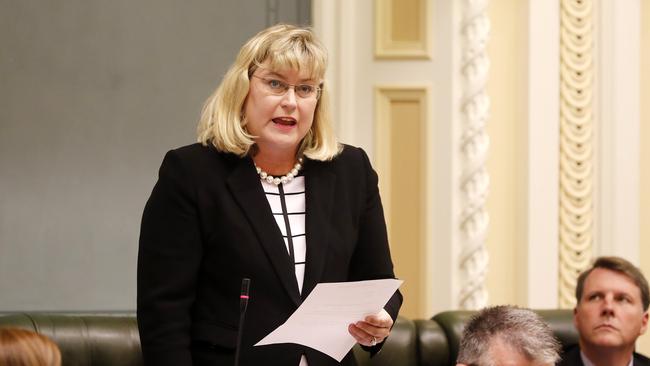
(20, 347)
(223, 123)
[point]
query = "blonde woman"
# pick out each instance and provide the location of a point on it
(20, 347)
(266, 194)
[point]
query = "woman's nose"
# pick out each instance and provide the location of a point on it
(289, 98)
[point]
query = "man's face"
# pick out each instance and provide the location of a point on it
(610, 312)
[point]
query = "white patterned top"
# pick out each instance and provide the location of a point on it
(287, 201)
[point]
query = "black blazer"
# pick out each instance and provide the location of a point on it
(208, 224)
(571, 357)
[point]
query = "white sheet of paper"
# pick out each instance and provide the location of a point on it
(321, 322)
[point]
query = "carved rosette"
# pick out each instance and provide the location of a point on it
(475, 181)
(576, 144)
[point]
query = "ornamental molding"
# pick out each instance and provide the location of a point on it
(474, 144)
(576, 144)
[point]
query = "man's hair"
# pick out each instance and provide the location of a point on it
(283, 46)
(521, 329)
(622, 266)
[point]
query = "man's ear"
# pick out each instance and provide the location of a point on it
(644, 323)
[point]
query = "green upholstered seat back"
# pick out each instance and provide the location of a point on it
(453, 323)
(113, 339)
(86, 339)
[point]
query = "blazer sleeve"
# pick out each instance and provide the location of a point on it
(371, 259)
(169, 256)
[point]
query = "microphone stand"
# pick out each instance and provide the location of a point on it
(243, 304)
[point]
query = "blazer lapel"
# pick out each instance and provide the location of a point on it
(245, 186)
(319, 196)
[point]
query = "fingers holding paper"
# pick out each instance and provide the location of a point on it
(372, 330)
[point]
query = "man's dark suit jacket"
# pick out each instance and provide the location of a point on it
(208, 224)
(571, 357)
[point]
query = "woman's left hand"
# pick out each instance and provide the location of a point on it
(372, 330)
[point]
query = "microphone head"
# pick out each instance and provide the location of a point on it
(245, 286)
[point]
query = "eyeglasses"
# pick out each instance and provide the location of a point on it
(279, 87)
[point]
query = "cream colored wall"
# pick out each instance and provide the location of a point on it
(507, 93)
(356, 79)
(644, 342)
(358, 73)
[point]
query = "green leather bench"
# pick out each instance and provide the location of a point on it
(113, 340)
(434, 342)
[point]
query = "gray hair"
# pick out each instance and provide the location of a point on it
(522, 329)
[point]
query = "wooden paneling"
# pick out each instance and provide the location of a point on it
(401, 128)
(401, 29)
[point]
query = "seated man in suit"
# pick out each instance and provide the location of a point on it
(611, 313)
(507, 336)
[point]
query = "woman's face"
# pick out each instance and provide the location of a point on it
(278, 119)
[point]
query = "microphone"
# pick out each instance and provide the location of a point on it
(243, 304)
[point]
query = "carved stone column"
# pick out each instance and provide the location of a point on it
(576, 144)
(475, 181)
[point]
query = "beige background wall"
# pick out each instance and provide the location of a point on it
(507, 93)
(371, 97)
(644, 344)
(510, 239)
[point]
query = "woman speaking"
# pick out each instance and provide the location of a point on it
(266, 194)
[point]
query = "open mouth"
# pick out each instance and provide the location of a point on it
(284, 121)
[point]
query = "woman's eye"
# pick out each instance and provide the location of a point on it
(275, 84)
(305, 89)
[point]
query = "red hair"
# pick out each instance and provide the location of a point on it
(20, 347)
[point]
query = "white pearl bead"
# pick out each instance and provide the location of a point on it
(283, 179)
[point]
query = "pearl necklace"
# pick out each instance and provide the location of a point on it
(283, 179)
